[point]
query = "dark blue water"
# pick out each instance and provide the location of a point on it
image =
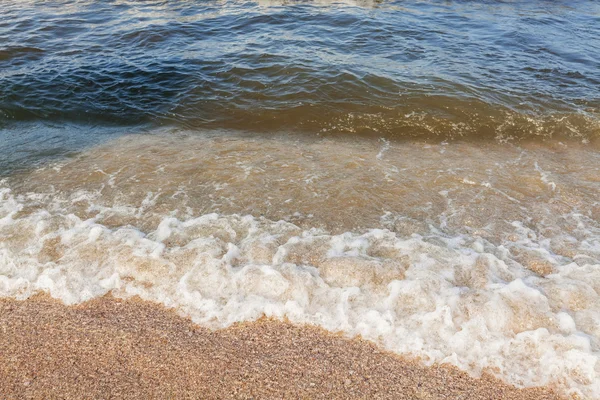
(503, 70)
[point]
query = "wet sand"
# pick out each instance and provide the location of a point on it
(109, 348)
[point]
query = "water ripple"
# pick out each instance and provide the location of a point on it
(482, 69)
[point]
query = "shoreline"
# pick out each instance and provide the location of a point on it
(131, 348)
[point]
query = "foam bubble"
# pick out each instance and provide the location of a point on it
(456, 299)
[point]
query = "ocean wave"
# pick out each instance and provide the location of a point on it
(380, 69)
(452, 299)
(483, 256)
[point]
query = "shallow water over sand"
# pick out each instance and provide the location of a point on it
(484, 256)
(338, 184)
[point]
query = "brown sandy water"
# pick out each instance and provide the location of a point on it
(484, 256)
(333, 183)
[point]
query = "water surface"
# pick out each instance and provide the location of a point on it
(511, 69)
(424, 174)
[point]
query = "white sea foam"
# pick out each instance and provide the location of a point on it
(451, 299)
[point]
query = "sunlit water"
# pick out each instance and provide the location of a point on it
(424, 174)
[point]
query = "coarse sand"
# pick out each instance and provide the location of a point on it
(132, 349)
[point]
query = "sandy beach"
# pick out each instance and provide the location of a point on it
(110, 348)
(275, 199)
